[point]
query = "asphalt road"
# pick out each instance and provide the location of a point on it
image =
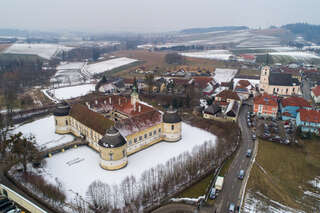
(232, 185)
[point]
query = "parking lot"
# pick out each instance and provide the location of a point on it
(272, 129)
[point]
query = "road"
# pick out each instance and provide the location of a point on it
(305, 89)
(232, 185)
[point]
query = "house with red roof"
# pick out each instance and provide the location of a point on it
(265, 105)
(244, 89)
(309, 121)
(315, 94)
(290, 107)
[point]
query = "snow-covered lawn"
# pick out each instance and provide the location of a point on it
(297, 55)
(210, 54)
(71, 92)
(103, 66)
(224, 75)
(43, 50)
(77, 168)
(315, 183)
(43, 131)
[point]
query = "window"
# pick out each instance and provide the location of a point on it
(154, 132)
(172, 127)
(293, 89)
(130, 142)
(56, 122)
(111, 155)
(135, 140)
(67, 122)
(124, 153)
(150, 134)
(287, 91)
(159, 130)
(140, 138)
(145, 136)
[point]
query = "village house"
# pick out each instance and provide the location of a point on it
(277, 83)
(315, 94)
(290, 107)
(265, 106)
(110, 85)
(225, 97)
(244, 89)
(309, 121)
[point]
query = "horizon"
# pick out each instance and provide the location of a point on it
(143, 16)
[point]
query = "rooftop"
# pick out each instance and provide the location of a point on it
(312, 116)
(316, 91)
(228, 94)
(295, 101)
(282, 79)
(266, 99)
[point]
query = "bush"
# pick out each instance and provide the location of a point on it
(174, 58)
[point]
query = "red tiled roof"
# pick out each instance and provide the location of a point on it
(310, 116)
(316, 91)
(228, 94)
(286, 114)
(181, 81)
(222, 103)
(128, 80)
(266, 99)
(121, 104)
(243, 83)
(295, 101)
(247, 56)
(202, 81)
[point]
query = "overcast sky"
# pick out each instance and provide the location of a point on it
(152, 15)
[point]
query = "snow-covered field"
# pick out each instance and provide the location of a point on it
(210, 54)
(315, 183)
(42, 50)
(224, 75)
(43, 131)
(297, 55)
(257, 202)
(103, 66)
(76, 177)
(70, 66)
(70, 92)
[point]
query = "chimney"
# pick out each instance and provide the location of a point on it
(96, 101)
(105, 102)
(139, 108)
(109, 100)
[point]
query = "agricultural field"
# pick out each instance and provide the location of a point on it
(46, 51)
(4, 47)
(210, 54)
(285, 178)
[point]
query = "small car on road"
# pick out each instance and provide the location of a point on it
(232, 208)
(241, 174)
(249, 153)
(213, 193)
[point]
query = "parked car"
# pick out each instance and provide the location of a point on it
(232, 208)
(213, 193)
(241, 174)
(249, 153)
(266, 134)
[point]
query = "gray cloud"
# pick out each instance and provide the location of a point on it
(152, 15)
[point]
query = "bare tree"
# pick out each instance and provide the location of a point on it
(98, 194)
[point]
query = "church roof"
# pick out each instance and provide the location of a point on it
(282, 79)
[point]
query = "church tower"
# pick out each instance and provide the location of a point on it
(264, 78)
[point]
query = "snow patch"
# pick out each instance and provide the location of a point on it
(69, 92)
(108, 65)
(44, 132)
(210, 54)
(224, 75)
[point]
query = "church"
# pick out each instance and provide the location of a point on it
(118, 126)
(277, 83)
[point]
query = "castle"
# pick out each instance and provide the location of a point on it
(118, 126)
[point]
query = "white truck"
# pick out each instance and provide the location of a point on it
(219, 183)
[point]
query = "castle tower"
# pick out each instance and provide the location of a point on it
(264, 78)
(171, 125)
(61, 115)
(113, 150)
(134, 96)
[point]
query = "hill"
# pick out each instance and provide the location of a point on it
(213, 29)
(308, 31)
